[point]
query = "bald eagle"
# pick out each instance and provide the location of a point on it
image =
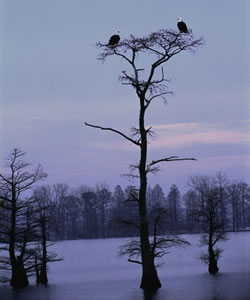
(182, 26)
(114, 39)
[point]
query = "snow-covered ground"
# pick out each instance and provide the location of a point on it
(92, 270)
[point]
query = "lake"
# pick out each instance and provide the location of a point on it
(92, 270)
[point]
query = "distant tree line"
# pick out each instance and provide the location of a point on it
(89, 213)
(212, 206)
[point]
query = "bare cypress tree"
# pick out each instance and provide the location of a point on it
(14, 185)
(41, 257)
(162, 45)
(208, 211)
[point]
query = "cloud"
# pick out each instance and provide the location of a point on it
(181, 135)
(188, 134)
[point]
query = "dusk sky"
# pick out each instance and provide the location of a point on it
(51, 83)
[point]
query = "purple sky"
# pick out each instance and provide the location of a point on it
(52, 83)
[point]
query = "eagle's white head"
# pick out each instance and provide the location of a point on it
(179, 19)
(117, 32)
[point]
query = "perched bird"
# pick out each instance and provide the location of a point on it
(114, 39)
(182, 26)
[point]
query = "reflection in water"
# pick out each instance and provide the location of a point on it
(150, 295)
(29, 293)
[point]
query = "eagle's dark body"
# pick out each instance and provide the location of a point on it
(114, 40)
(182, 27)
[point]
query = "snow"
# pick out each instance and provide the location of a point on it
(92, 270)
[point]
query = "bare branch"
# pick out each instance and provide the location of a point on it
(160, 95)
(130, 176)
(116, 131)
(167, 159)
(135, 261)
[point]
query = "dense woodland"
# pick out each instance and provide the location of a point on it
(88, 213)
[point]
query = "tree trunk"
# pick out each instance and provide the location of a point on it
(19, 277)
(37, 269)
(43, 275)
(150, 280)
(212, 265)
(43, 272)
(243, 212)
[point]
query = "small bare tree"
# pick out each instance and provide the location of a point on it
(15, 203)
(149, 85)
(41, 257)
(208, 212)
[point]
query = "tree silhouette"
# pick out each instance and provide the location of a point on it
(15, 183)
(40, 254)
(149, 85)
(208, 212)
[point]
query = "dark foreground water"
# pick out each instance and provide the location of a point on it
(91, 270)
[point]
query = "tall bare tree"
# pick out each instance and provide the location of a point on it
(191, 201)
(174, 208)
(149, 85)
(103, 198)
(89, 199)
(238, 194)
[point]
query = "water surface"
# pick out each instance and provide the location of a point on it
(92, 270)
